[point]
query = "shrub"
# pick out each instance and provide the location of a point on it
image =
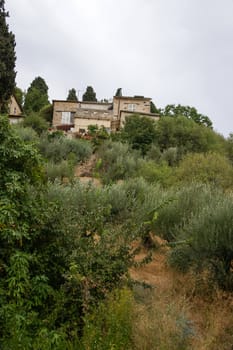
(188, 135)
(27, 134)
(36, 122)
(109, 325)
(156, 173)
(171, 156)
(139, 132)
(211, 168)
(46, 113)
(60, 148)
(185, 202)
(154, 153)
(63, 170)
(118, 161)
(208, 239)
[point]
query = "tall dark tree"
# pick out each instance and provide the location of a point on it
(153, 108)
(118, 92)
(89, 95)
(7, 59)
(36, 96)
(72, 96)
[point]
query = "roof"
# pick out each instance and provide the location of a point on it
(16, 100)
(140, 113)
(132, 98)
(84, 102)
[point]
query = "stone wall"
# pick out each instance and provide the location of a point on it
(63, 106)
(95, 106)
(140, 105)
(84, 118)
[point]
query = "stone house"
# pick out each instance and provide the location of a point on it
(77, 116)
(15, 111)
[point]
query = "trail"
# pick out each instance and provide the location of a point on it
(84, 171)
(155, 273)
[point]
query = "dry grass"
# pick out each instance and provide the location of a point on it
(180, 311)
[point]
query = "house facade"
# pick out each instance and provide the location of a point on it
(15, 112)
(77, 116)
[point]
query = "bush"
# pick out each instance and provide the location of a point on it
(171, 156)
(139, 132)
(63, 170)
(60, 148)
(46, 113)
(188, 136)
(109, 326)
(211, 168)
(118, 161)
(185, 202)
(154, 153)
(156, 173)
(208, 237)
(27, 134)
(36, 122)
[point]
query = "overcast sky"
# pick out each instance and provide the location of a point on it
(174, 51)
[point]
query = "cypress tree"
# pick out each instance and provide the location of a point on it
(36, 96)
(90, 95)
(72, 95)
(7, 59)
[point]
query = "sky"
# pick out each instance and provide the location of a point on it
(174, 51)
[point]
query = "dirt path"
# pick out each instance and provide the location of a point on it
(85, 170)
(154, 273)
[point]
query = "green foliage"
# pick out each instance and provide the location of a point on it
(154, 153)
(117, 161)
(171, 156)
(20, 218)
(26, 134)
(118, 92)
(60, 148)
(139, 132)
(62, 171)
(207, 241)
(156, 173)
(7, 59)
(36, 122)
(92, 129)
(229, 147)
(189, 200)
(35, 101)
(46, 113)
(72, 95)
(114, 316)
(89, 95)
(66, 248)
(211, 168)
(37, 96)
(19, 95)
(187, 112)
(39, 84)
(188, 136)
(153, 108)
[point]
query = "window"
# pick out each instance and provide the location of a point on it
(131, 107)
(67, 117)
